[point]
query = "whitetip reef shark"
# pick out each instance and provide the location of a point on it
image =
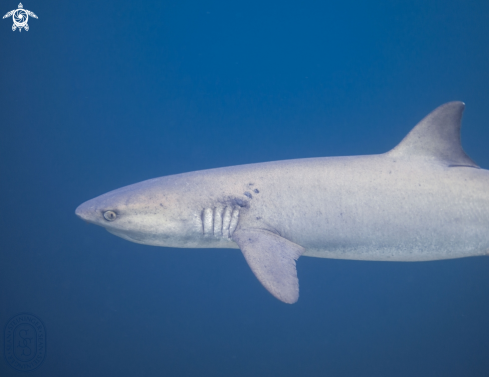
(423, 200)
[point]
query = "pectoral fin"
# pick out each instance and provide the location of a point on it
(272, 260)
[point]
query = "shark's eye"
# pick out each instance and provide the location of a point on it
(110, 215)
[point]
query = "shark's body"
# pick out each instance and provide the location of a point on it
(423, 200)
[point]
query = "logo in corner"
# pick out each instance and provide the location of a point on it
(20, 17)
(25, 342)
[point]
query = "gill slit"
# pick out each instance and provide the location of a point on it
(220, 222)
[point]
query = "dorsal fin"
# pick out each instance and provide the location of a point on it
(437, 136)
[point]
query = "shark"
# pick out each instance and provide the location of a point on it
(423, 200)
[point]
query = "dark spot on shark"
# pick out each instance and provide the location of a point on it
(258, 218)
(256, 191)
(240, 202)
(250, 184)
(248, 195)
(233, 202)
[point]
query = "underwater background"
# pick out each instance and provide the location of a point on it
(102, 94)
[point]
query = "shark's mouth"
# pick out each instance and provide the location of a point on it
(125, 235)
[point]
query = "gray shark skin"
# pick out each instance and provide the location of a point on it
(423, 200)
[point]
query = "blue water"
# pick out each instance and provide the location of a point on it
(101, 94)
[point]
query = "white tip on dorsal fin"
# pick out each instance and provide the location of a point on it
(437, 136)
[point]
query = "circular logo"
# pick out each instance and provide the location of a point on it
(25, 342)
(20, 18)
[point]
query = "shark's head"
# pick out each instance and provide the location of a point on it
(150, 212)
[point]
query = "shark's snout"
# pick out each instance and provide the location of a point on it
(79, 212)
(85, 212)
